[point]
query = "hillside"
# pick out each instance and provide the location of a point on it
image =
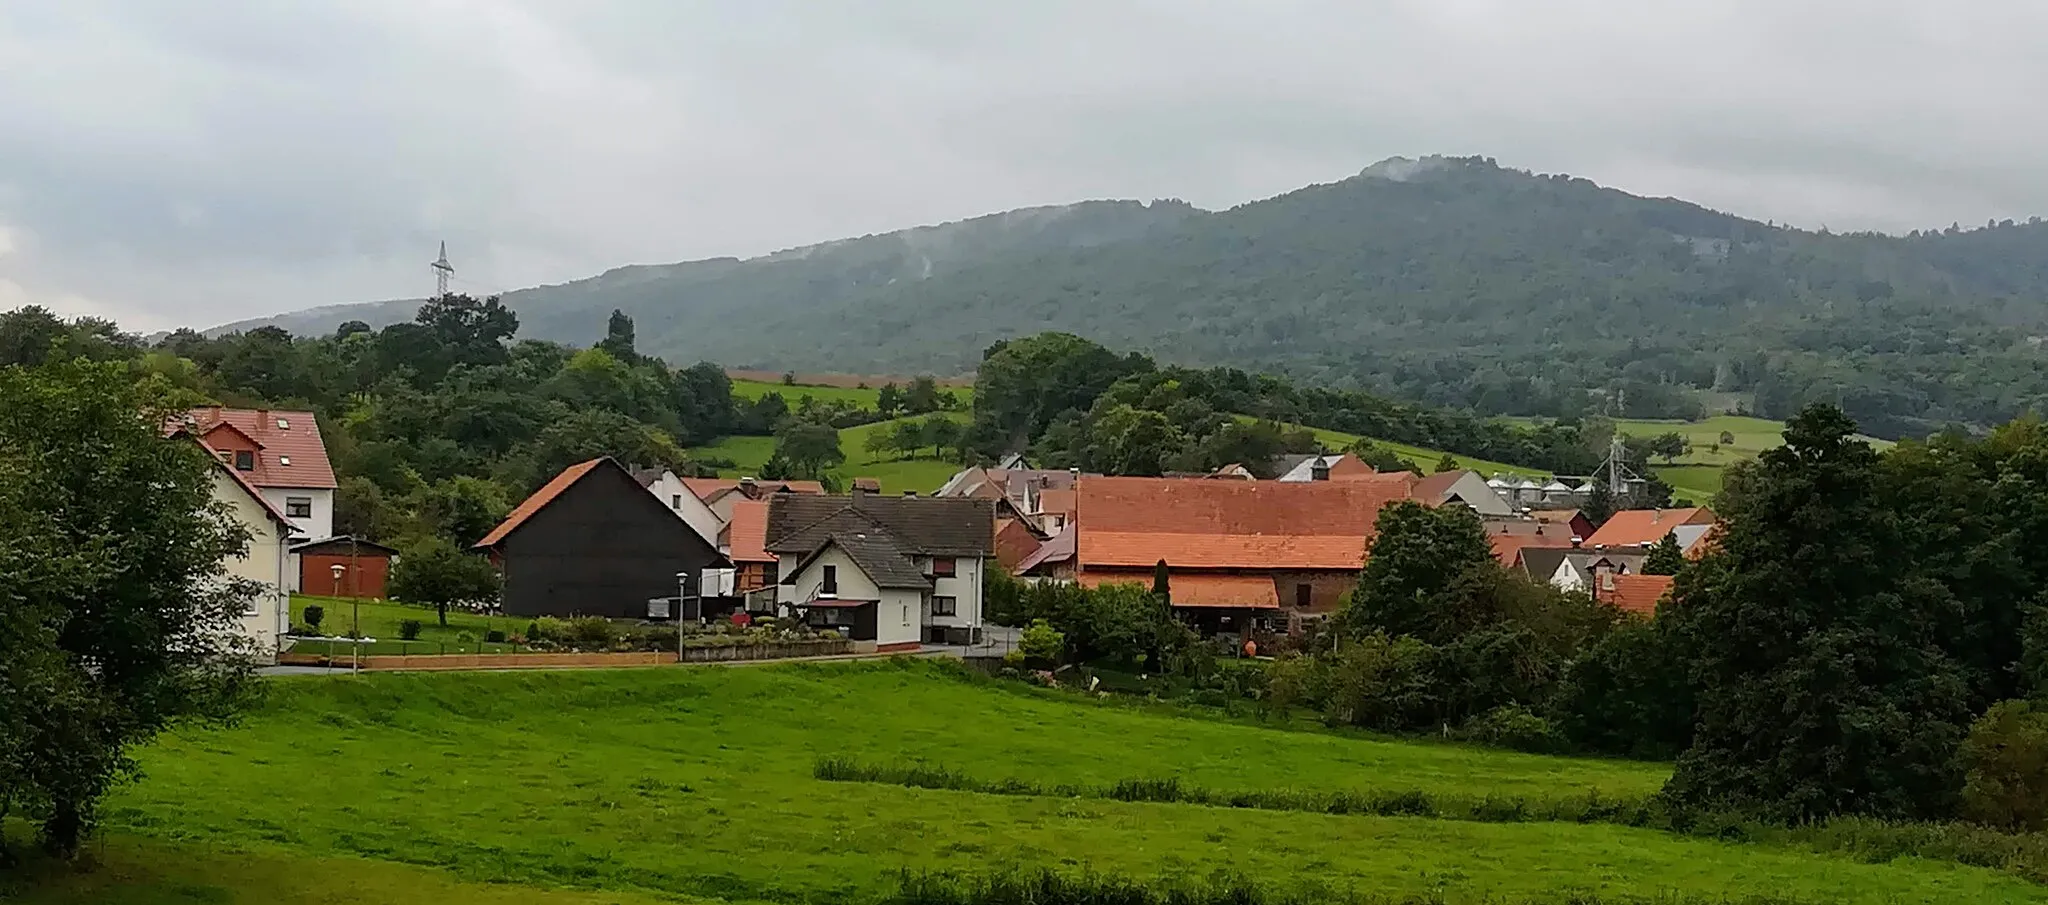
(1448, 281)
(698, 784)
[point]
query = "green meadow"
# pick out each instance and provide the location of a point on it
(696, 784)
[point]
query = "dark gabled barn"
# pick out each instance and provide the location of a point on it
(594, 542)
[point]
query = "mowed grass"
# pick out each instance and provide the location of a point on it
(923, 474)
(751, 390)
(1427, 458)
(381, 621)
(696, 782)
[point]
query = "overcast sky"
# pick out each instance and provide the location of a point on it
(190, 162)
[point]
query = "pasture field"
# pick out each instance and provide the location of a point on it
(696, 784)
(1427, 458)
(923, 475)
(751, 390)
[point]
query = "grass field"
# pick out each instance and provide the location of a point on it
(381, 621)
(863, 398)
(1427, 458)
(897, 475)
(697, 783)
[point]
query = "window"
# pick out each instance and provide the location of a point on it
(1302, 595)
(283, 424)
(831, 586)
(284, 460)
(906, 614)
(298, 507)
(945, 606)
(245, 460)
(943, 566)
(675, 501)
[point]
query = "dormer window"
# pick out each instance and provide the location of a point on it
(284, 460)
(245, 460)
(283, 424)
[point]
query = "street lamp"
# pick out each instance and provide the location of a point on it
(354, 622)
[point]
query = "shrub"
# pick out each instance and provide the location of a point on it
(829, 635)
(592, 633)
(1013, 660)
(315, 613)
(1514, 726)
(1383, 683)
(1041, 644)
(548, 628)
(2005, 765)
(409, 630)
(659, 638)
(495, 636)
(1627, 695)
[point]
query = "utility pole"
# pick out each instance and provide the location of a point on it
(442, 271)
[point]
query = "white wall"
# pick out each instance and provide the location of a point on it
(265, 562)
(854, 584)
(965, 588)
(319, 525)
(898, 616)
(670, 491)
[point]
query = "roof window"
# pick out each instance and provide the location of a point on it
(283, 424)
(284, 460)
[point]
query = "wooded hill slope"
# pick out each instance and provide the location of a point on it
(1448, 281)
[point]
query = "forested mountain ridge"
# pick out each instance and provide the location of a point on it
(1452, 282)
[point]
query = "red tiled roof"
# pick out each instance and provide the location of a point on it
(1222, 551)
(539, 500)
(299, 441)
(1015, 542)
(710, 489)
(1508, 547)
(1157, 505)
(1430, 491)
(1631, 527)
(1198, 590)
(1633, 592)
(1059, 548)
(1230, 524)
(1059, 501)
(747, 533)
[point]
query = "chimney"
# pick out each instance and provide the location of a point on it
(1576, 541)
(1320, 471)
(749, 489)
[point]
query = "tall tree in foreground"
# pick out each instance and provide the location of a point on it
(1665, 558)
(1811, 638)
(117, 617)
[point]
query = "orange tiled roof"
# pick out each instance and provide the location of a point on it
(748, 532)
(1221, 551)
(1631, 527)
(710, 489)
(1132, 522)
(1196, 590)
(540, 498)
(1060, 501)
(1634, 593)
(1508, 547)
(298, 441)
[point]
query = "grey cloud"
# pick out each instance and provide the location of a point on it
(197, 162)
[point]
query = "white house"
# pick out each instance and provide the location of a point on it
(266, 562)
(278, 452)
(894, 571)
(673, 493)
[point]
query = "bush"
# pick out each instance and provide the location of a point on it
(409, 630)
(660, 638)
(315, 613)
(1383, 683)
(495, 636)
(1013, 660)
(1514, 726)
(2005, 765)
(548, 628)
(1041, 644)
(829, 635)
(1627, 695)
(592, 633)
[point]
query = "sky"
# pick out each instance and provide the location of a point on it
(191, 162)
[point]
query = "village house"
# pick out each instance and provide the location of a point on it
(1236, 551)
(676, 495)
(722, 494)
(1644, 527)
(278, 452)
(1463, 488)
(1637, 594)
(896, 572)
(745, 542)
(594, 542)
(1298, 468)
(266, 561)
